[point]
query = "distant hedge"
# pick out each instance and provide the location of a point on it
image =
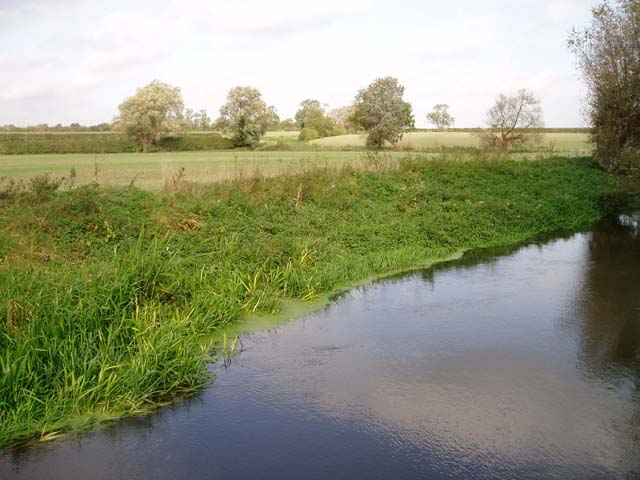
(94, 142)
(538, 130)
(194, 141)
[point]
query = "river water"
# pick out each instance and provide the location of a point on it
(515, 364)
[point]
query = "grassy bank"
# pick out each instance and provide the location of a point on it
(106, 294)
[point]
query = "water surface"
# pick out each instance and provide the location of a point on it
(513, 364)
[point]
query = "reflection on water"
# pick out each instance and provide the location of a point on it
(511, 364)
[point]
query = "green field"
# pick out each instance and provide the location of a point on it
(281, 134)
(151, 170)
(567, 143)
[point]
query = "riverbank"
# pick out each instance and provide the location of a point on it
(108, 293)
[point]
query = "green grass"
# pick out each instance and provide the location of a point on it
(109, 294)
(152, 170)
(573, 143)
(281, 134)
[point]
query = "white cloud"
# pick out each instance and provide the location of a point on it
(77, 62)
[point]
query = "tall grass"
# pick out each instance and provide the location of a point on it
(108, 294)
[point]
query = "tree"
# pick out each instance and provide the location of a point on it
(287, 124)
(512, 122)
(313, 120)
(341, 116)
(245, 116)
(273, 121)
(154, 110)
(380, 110)
(608, 54)
(440, 116)
(203, 120)
(197, 120)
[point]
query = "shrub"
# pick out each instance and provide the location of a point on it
(308, 133)
(43, 186)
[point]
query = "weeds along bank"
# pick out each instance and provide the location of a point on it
(104, 142)
(107, 294)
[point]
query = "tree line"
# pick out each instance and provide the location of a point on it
(607, 53)
(379, 110)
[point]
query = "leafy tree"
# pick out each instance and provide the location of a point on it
(197, 120)
(440, 116)
(203, 120)
(341, 116)
(273, 122)
(381, 111)
(154, 110)
(608, 54)
(512, 122)
(288, 124)
(101, 127)
(245, 116)
(308, 109)
(308, 133)
(312, 116)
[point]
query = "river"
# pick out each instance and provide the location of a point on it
(519, 363)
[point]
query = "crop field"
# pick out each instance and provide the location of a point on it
(152, 170)
(567, 143)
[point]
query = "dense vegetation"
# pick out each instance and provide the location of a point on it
(608, 54)
(107, 295)
(104, 142)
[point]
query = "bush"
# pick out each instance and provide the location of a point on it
(43, 186)
(308, 134)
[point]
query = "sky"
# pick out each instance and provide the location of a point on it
(65, 61)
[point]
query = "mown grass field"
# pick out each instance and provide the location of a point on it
(565, 143)
(109, 294)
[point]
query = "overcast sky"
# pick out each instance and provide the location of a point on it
(66, 61)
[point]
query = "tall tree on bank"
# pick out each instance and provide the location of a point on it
(440, 116)
(380, 110)
(512, 121)
(154, 110)
(608, 54)
(245, 116)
